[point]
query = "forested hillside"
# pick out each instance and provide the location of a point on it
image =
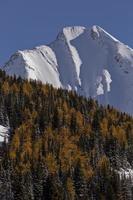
(62, 146)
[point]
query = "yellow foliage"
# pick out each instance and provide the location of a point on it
(12, 154)
(37, 149)
(119, 134)
(65, 108)
(45, 89)
(21, 145)
(15, 144)
(103, 163)
(47, 139)
(51, 163)
(104, 127)
(14, 88)
(23, 167)
(6, 87)
(27, 147)
(27, 89)
(70, 155)
(79, 120)
(70, 189)
(87, 130)
(68, 150)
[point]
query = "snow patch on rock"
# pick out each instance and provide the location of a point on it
(107, 79)
(126, 173)
(4, 134)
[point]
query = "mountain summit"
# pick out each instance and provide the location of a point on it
(87, 60)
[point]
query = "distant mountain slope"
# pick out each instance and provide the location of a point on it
(88, 60)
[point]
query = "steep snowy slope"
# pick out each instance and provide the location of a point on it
(88, 60)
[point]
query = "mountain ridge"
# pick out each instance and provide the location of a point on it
(87, 60)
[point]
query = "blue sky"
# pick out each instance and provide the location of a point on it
(27, 23)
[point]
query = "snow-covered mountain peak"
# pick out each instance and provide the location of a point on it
(88, 60)
(70, 33)
(102, 34)
(95, 32)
